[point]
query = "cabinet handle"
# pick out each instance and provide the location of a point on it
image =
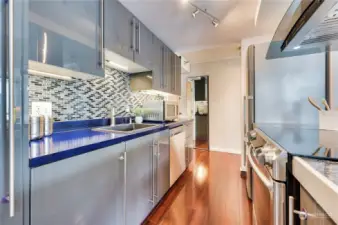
(162, 75)
(121, 158)
(174, 84)
(154, 151)
(260, 175)
(303, 214)
(134, 34)
(11, 196)
(138, 49)
(124, 187)
(102, 59)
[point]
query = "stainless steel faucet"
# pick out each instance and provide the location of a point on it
(112, 117)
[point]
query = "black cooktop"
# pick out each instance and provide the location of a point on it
(304, 141)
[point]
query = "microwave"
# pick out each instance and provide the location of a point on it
(161, 110)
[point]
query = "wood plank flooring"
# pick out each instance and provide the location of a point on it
(202, 144)
(210, 192)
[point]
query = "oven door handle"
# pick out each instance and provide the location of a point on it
(262, 177)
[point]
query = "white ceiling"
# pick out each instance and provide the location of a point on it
(172, 22)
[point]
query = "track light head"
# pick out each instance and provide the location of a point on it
(215, 23)
(195, 13)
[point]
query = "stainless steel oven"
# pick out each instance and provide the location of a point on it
(161, 110)
(268, 178)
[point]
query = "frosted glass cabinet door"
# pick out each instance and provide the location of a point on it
(85, 189)
(61, 22)
(139, 179)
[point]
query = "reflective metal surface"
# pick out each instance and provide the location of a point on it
(303, 17)
(127, 128)
(279, 208)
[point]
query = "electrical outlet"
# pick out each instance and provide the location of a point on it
(41, 109)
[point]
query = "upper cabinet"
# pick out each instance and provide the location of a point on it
(167, 68)
(67, 35)
(143, 46)
(78, 38)
(176, 80)
(157, 59)
(119, 29)
(125, 36)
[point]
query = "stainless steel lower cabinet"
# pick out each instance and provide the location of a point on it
(161, 152)
(86, 189)
(140, 179)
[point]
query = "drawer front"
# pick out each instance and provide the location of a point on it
(311, 206)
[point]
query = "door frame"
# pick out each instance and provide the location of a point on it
(190, 79)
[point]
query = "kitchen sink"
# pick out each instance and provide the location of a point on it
(127, 128)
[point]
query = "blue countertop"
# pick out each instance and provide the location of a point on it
(304, 141)
(67, 141)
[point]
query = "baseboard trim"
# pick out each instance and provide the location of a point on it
(227, 150)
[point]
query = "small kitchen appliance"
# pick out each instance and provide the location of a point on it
(36, 127)
(161, 110)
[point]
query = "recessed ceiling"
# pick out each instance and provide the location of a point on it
(172, 22)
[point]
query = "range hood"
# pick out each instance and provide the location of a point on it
(309, 26)
(143, 82)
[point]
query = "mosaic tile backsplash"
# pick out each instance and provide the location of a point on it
(86, 99)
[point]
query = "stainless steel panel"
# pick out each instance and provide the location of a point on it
(71, 39)
(283, 85)
(279, 203)
(14, 172)
(139, 179)
(162, 164)
(118, 29)
(86, 189)
(11, 116)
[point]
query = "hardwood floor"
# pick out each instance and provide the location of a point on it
(201, 144)
(210, 192)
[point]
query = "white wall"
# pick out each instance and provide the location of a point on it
(225, 102)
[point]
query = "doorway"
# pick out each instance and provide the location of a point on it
(198, 108)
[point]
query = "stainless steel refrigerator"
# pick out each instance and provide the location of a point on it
(249, 104)
(14, 169)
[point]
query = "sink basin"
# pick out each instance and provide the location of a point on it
(127, 128)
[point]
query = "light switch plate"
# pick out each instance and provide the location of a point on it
(41, 109)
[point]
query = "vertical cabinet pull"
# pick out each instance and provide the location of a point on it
(138, 49)
(162, 75)
(11, 107)
(124, 187)
(133, 34)
(102, 56)
(291, 208)
(153, 152)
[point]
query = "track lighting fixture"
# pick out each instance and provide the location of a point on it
(195, 13)
(215, 23)
(214, 20)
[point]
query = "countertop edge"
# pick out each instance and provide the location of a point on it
(324, 191)
(47, 159)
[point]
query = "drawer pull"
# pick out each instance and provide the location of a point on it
(303, 214)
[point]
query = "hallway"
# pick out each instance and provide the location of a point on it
(210, 192)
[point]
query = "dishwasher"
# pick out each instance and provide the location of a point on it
(177, 153)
